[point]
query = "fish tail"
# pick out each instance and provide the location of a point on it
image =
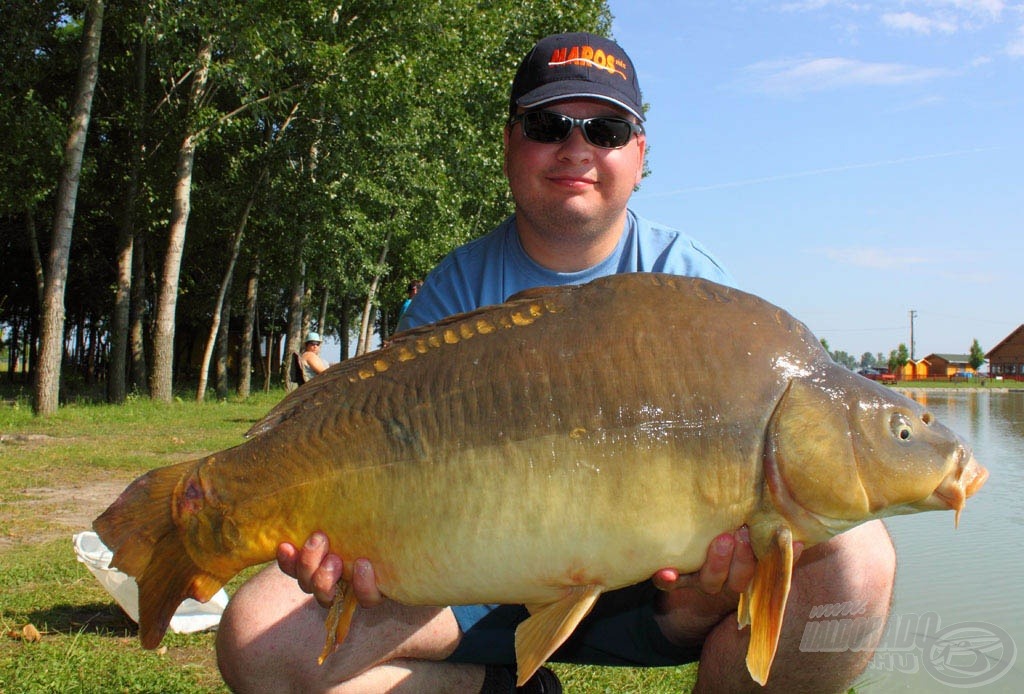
(139, 528)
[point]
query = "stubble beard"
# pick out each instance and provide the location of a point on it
(570, 228)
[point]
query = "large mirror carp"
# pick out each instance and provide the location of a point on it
(543, 451)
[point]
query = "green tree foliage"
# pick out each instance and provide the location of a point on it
(977, 355)
(898, 358)
(394, 144)
(844, 358)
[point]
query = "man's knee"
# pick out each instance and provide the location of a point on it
(257, 637)
(862, 563)
(853, 574)
(236, 644)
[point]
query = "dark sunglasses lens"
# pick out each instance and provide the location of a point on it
(607, 132)
(544, 126)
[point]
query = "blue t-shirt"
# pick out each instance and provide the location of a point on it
(494, 267)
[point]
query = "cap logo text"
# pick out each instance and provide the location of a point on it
(587, 56)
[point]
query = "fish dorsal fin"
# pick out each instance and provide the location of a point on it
(549, 626)
(339, 618)
(534, 293)
(764, 603)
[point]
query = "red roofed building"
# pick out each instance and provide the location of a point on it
(1007, 358)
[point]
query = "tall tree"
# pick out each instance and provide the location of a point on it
(47, 387)
(977, 355)
(236, 247)
(162, 375)
(248, 330)
(121, 316)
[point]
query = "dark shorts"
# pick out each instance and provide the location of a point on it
(620, 630)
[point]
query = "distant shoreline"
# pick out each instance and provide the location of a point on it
(958, 389)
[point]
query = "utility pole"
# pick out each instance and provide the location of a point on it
(913, 315)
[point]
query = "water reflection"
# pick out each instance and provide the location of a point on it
(970, 576)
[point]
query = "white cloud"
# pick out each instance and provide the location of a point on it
(918, 23)
(1016, 46)
(992, 8)
(820, 74)
(920, 16)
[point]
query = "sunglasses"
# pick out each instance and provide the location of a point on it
(549, 127)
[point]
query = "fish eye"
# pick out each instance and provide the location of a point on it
(900, 426)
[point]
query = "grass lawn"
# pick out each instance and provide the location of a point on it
(56, 475)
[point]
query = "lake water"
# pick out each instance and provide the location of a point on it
(958, 616)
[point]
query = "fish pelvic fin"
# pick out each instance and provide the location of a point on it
(147, 544)
(548, 626)
(764, 603)
(339, 619)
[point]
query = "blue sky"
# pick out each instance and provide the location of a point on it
(848, 161)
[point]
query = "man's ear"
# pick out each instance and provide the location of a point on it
(641, 143)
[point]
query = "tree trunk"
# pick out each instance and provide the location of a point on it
(47, 390)
(37, 258)
(345, 322)
(293, 343)
(322, 319)
(366, 324)
(221, 363)
(162, 380)
(268, 368)
(12, 350)
(248, 330)
(236, 247)
(120, 320)
(137, 316)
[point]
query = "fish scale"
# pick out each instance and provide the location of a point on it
(568, 442)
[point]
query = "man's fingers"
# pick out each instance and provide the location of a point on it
(715, 572)
(309, 559)
(325, 579)
(286, 554)
(364, 583)
(743, 563)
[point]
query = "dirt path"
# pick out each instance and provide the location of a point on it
(41, 514)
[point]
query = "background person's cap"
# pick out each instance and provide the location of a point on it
(576, 66)
(313, 337)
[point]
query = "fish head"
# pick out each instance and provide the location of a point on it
(842, 449)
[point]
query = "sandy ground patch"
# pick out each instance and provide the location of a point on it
(58, 512)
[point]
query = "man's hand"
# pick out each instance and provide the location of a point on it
(694, 603)
(728, 568)
(318, 571)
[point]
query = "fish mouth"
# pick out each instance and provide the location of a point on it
(960, 484)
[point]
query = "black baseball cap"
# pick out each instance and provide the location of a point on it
(579, 65)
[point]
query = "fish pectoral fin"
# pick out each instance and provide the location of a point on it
(548, 626)
(339, 619)
(764, 603)
(743, 611)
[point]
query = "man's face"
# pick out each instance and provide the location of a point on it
(572, 186)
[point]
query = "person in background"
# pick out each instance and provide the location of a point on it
(411, 292)
(574, 152)
(312, 363)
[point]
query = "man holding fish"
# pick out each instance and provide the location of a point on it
(574, 152)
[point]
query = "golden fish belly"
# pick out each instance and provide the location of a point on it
(519, 522)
